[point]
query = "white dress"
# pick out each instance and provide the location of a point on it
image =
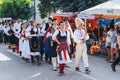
(21, 39)
(26, 47)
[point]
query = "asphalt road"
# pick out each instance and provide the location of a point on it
(12, 67)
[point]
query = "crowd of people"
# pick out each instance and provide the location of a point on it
(55, 41)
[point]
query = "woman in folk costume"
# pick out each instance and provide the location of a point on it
(25, 35)
(17, 29)
(70, 32)
(54, 46)
(63, 40)
(34, 46)
(80, 37)
(6, 33)
(21, 37)
(12, 38)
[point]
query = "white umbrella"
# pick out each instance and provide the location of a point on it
(111, 7)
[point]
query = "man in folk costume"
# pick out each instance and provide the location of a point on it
(46, 40)
(17, 29)
(41, 37)
(34, 46)
(63, 40)
(53, 45)
(80, 37)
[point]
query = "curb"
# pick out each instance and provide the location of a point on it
(14, 53)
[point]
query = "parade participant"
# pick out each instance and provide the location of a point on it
(46, 40)
(17, 29)
(1, 32)
(25, 36)
(70, 32)
(80, 37)
(63, 40)
(41, 37)
(12, 38)
(6, 34)
(118, 41)
(53, 45)
(34, 46)
(21, 37)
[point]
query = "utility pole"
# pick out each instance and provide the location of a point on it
(34, 10)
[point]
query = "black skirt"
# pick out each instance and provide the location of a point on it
(34, 45)
(53, 50)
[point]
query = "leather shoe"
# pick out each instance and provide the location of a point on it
(113, 68)
(77, 69)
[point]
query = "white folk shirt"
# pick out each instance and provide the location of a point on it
(40, 32)
(34, 29)
(17, 28)
(62, 34)
(49, 34)
(44, 26)
(79, 35)
(1, 27)
(6, 29)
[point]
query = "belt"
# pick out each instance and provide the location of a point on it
(26, 38)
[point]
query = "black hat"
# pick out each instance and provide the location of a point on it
(54, 19)
(50, 18)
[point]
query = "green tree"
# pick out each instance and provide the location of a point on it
(16, 9)
(77, 5)
(46, 7)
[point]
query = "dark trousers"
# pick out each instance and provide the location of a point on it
(41, 47)
(117, 60)
(5, 38)
(1, 36)
(47, 57)
(35, 57)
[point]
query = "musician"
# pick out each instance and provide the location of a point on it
(34, 46)
(80, 37)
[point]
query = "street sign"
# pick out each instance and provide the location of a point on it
(86, 16)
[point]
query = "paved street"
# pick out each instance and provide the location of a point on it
(13, 68)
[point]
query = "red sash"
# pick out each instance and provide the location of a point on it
(44, 41)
